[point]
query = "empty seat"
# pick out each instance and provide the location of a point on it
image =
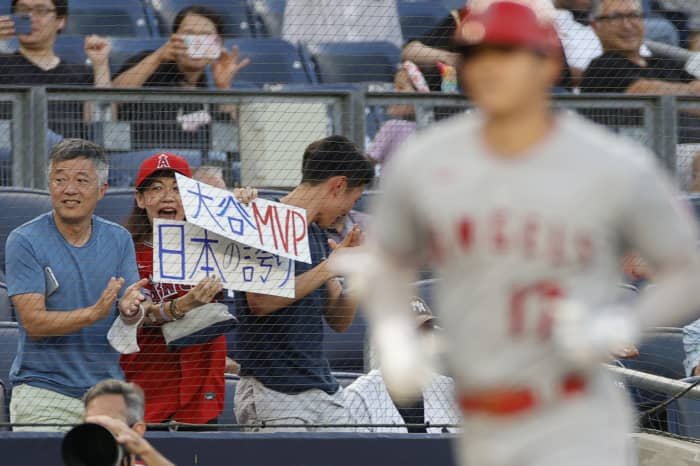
(353, 62)
(9, 334)
(418, 18)
(126, 18)
(18, 206)
(234, 14)
(270, 16)
(228, 416)
(272, 61)
(116, 205)
(71, 49)
(345, 351)
(124, 166)
(5, 305)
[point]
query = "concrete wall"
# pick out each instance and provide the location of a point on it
(657, 450)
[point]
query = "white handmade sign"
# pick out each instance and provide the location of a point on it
(270, 226)
(185, 254)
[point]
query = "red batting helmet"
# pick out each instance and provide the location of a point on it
(507, 23)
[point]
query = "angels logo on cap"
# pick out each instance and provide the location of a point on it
(163, 161)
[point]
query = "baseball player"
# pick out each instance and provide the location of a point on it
(525, 213)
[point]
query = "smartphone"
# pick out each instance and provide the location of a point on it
(203, 45)
(23, 23)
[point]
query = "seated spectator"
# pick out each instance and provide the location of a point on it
(619, 24)
(285, 378)
(118, 406)
(171, 65)
(210, 175)
(35, 63)
(348, 21)
(369, 402)
(65, 272)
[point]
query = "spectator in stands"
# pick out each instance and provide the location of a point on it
(349, 21)
(119, 406)
(620, 26)
(65, 271)
(157, 125)
(211, 175)
(285, 378)
(369, 402)
(35, 63)
(181, 384)
(691, 345)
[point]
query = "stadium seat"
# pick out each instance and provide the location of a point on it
(272, 61)
(19, 206)
(418, 18)
(116, 205)
(346, 378)
(683, 415)
(228, 416)
(124, 48)
(269, 17)
(125, 18)
(271, 194)
(9, 334)
(124, 166)
(4, 407)
(71, 49)
(660, 353)
(354, 62)
(345, 351)
(234, 13)
(5, 304)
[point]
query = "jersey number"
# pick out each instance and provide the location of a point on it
(539, 298)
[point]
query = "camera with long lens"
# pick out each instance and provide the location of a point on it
(91, 445)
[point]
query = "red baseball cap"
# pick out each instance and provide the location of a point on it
(507, 23)
(162, 161)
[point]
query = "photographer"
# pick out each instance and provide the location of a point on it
(118, 406)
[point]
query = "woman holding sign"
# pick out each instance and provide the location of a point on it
(185, 384)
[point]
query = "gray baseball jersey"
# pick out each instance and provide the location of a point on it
(509, 235)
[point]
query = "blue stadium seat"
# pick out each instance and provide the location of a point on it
(124, 166)
(660, 353)
(345, 351)
(354, 62)
(125, 18)
(271, 194)
(234, 13)
(269, 17)
(4, 407)
(5, 304)
(418, 18)
(19, 206)
(228, 416)
(124, 48)
(273, 61)
(9, 334)
(683, 415)
(116, 205)
(71, 49)
(346, 378)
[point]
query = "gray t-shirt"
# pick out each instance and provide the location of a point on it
(508, 236)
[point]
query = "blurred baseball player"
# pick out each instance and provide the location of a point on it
(525, 212)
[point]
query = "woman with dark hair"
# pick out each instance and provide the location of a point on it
(184, 384)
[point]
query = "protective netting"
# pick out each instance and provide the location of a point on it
(289, 73)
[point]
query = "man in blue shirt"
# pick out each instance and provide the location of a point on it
(285, 378)
(65, 272)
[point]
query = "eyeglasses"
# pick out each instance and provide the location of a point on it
(39, 10)
(620, 17)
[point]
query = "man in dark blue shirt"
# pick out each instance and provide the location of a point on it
(285, 378)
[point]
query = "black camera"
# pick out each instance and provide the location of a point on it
(91, 445)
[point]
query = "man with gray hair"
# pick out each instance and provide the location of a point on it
(619, 24)
(118, 406)
(65, 274)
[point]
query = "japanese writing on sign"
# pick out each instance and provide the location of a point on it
(185, 254)
(270, 226)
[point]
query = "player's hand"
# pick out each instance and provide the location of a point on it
(586, 339)
(172, 50)
(225, 69)
(132, 299)
(203, 293)
(97, 49)
(7, 27)
(104, 305)
(245, 195)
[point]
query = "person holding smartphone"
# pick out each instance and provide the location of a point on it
(36, 24)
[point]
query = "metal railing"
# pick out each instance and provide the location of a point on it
(24, 129)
